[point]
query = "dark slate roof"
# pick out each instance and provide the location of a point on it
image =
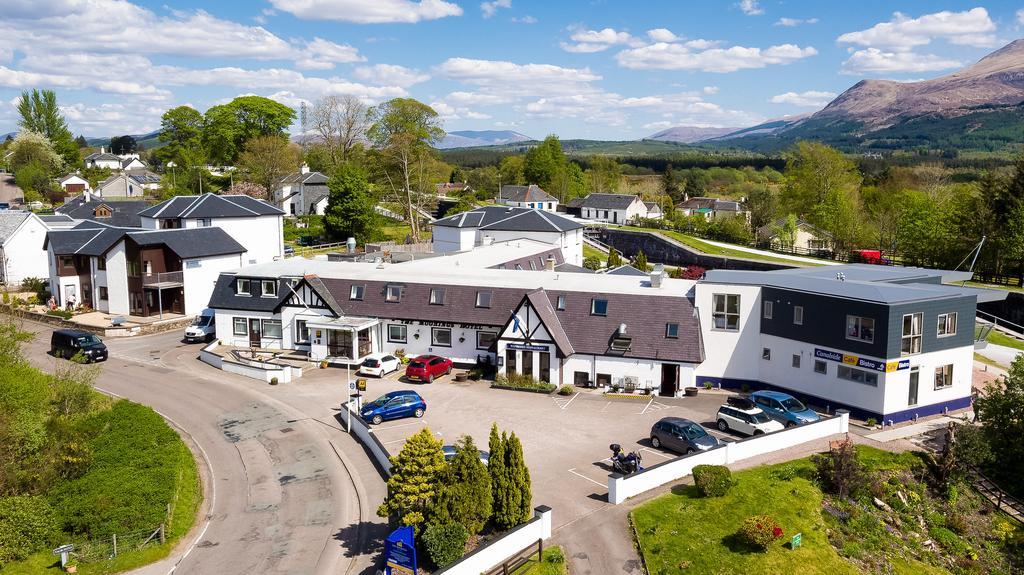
(698, 204)
(541, 304)
(224, 296)
(625, 270)
(211, 206)
(123, 213)
(531, 193)
(608, 201)
(652, 206)
(539, 261)
(10, 221)
(56, 219)
(102, 156)
(96, 238)
(89, 239)
(308, 178)
(575, 203)
(570, 268)
(502, 218)
(143, 176)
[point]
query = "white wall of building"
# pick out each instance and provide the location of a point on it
(730, 354)
(459, 352)
(447, 239)
(117, 280)
(897, 384)
(262, 236)
(200, 275)
(548, 206)
(22, 255)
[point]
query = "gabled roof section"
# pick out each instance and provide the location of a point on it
(626, 270)
(211, 206)
(307, 178)
(502, 218)
(10, 221)
(124, 214)
(531, 193)
(541, 304)
(190, 243)
(95, 156)
(609, 201)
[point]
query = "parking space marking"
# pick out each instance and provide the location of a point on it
(605, 407)
(648, 405)
(417, 422)
(574, 472)
(562, 404)
(656, 452)
(654, 406)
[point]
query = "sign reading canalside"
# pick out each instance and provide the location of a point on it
(400, 552)
(886, 366)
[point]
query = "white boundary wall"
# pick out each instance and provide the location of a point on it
(622, 488)
(492, 554)
(362, 431)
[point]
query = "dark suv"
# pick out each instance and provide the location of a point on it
(67, 343)
(427, 368)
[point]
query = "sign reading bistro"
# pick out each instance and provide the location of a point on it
(886, 366)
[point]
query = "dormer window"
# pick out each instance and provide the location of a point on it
(242, 287)
(483, 299)
(268, 288)
(436, 296)
(621, 342)
(393, 293)
(598, 307)
(356, 292)
(102, 211)
(672, 330)
(560, 303)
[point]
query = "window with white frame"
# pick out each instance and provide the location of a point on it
(944, 376)
(860, 328)
(268, 288)
(301, 332)
(912, 329)
(947, 324)
(272, 328)
(393, 293)
(483, 299)
(798, 315)
(441, 336)
(203, 222)
(725, 312)
(484, 339)
(397, 333)
(436, 296)
(356, 292)
(242, 287)
(857, 375)
(768, 309)
(240, 326)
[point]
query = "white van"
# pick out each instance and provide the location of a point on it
(203, 328)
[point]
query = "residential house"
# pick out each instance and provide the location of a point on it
(74, 184)
(527, 197)
(713, 208)
(489, 224)
(613, 208)
(806, 238)
(302, 193)
(138, 272)
(103, 159)
(21, 247)
(89, 207)
(253, 223)
(448, 189)
(132, 162)
(654, 211)
(573, 207)
(133, 184)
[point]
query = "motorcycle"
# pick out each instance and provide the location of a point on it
(624, 464)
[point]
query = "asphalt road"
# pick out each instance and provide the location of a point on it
(286, 493)
(9, 192)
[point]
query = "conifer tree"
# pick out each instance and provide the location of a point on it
(497, 467)
(519, 479)
(416, 474)
(614, 259)
(640, 261)
(465, 497)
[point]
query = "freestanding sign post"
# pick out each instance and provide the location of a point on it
(400, 552)
(63, 551)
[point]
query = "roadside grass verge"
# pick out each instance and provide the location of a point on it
(552, 563)
(1000, 338)
(987, 361)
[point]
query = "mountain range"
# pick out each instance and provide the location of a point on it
(475, 138)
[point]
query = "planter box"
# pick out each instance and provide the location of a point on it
(633, 396)
(526, 389)
(690, 391)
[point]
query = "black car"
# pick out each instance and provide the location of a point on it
(67, 343)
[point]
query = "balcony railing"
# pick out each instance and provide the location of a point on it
(163, 279)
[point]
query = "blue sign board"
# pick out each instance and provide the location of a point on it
(826, 354)
(527, 347)
(400, 552)
(849, 359)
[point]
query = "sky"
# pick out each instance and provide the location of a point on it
(599, 69)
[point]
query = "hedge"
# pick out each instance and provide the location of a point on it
(712, 480)
(27, 524)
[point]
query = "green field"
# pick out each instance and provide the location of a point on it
(553, 563)
(711, 249)
(1000, 338)
(590, 251)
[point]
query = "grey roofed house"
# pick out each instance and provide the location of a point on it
(10, 221)
(307, 178)
(531, 193)
(574, 269)
(211, 206)
(625, 270)
(102, 156)
(95, 239)
(652, 207)
(118, 213)
(608, 201)
(501, 218)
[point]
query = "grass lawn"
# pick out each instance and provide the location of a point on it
(711, 249)
(552, 564)
(1000, 338)
(683, 532)
(590, 251)
(987, 361)
(975, 284)
(397, 231)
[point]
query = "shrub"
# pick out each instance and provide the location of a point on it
(555, 556)
(445, 543)
(27, 524)
(840, 471)
(871, 422)
(566, 390)
(712, 480)
(61, 313)
(950, 542)
(520, 381)
(34, 285)
(760, 531)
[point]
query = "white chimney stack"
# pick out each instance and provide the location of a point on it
(304, 169)
(549, 264)
(103, 150)
(657, 275)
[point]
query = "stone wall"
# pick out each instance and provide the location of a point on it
(660, 249)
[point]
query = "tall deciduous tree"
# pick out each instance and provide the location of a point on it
(228, 128)
(340, 123)
(999, 409)
(267, 160)
(403, 130)
(466, 496)
(350, 205)
(416, 474)
(825, 185)
(40, 113)
(181, 129)
(547, 166)
(605, 174)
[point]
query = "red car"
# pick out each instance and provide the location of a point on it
(427, 367)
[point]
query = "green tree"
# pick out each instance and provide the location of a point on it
(604, 174)
(825, 185)
(497, 468)
(614, 259)
(671, 184)
(640, 261)
(445, 542)
(999, 409)
(519, 499)
(465, 497)
(592, 263)
(267, 160)
(181, 128)
(543, 162)
(403, 130)
(416, 474)
(511, 171)
(350, 206)
(762, 201)
(40, 113)
(228, 127)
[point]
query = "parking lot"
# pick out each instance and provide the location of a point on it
(565, 439)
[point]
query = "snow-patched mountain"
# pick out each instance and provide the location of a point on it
(473, 138)
(689, 134)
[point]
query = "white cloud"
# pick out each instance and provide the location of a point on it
(791, 22)
(390, 75)
(511, 79)
(809, 99)
(589, 41)
(969, 28)
(1020, 16)
(658, 125)
(662, 35)
(524, 19)
(323, 54)
(108, 118)
(448, 112)
(490, 8)
(875, 61)
(665, 56)
(710, 89)
(275, 79)
(751, 7)
(369, 11)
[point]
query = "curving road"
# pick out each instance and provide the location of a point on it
(286, 493)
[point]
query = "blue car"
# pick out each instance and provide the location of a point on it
(784, 408)
(394, 405)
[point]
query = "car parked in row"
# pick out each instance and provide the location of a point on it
(394, 405)
(743, 416)
(784, 408)
(681, 435)
(379, 365)
(450, 452)
(428, 368)
(67, 343)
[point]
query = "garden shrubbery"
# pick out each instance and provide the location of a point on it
(760, 531)
(520, 381)
(712, 480)
(27, 522)
(445, 543)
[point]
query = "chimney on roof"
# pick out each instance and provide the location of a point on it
(657, 275)
(304, 169)
(86, 196)
(549, 264)
(103, 150)
(487, 240)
